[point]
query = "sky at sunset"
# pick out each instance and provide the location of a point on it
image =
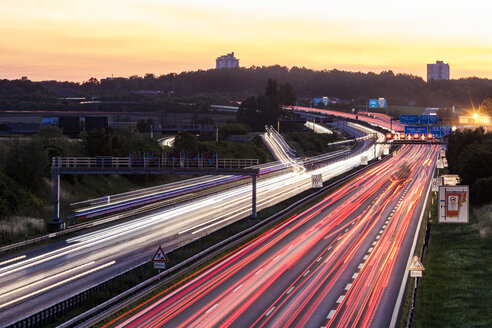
(74, 40)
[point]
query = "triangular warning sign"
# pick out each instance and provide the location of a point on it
(416, 264)
(159, 256)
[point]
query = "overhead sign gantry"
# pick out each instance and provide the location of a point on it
(149, 163)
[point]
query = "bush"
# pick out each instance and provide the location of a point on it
(480, 192)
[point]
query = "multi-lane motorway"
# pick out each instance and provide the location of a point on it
(33, 280)
(340, 263)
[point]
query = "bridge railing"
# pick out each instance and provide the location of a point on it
(180, 161)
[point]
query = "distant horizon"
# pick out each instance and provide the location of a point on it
(207, 69)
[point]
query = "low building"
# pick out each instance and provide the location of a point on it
(227, 61)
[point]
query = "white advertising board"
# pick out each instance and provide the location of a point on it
(453, 204)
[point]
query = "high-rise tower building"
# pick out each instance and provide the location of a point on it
(437, 71)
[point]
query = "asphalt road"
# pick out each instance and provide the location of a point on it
(41, 277)
(340, 263)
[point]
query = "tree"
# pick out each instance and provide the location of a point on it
(486, 105)
(27, 163)
(145, 125)
(99, 142)
(185, 142)
(445, 114)
(287, 95)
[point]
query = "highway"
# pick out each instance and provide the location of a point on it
(35, 279)
(339, 263)
(317, 128)
(377, 119)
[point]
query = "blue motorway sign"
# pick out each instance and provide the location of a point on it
(415, 129)
(377, 103)
(440, 131)
(428, 119)
(409, 119)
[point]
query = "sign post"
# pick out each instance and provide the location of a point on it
(159, 259)
(416, 268)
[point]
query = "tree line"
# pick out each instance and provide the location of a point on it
(469, 155)
(224, 85)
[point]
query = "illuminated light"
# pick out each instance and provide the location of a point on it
(430, 136)
(416, 136)
(402, 136)
(422, 136)
(389, 136)
(475, 115)
(409, 137)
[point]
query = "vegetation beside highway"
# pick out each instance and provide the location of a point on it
(456, 288)
(25, 176)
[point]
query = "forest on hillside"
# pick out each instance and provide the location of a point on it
(225, 85)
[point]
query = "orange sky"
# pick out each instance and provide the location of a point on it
(68, 40)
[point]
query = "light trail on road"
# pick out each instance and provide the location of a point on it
(130, 244)
(339, 263)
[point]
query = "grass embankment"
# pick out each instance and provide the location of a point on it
(456, 289)
(312, 144)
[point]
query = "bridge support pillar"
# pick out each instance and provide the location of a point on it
(253, 200)
(57, 223)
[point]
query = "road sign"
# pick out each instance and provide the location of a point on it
(377, 103)
(424, 119)
(436, 182)
(413, 129)
(453, 204)
(415, 264)
(159, 265)
(440, 131)
(433, 119)
(416, 274)
(409, 119)
(440, 163)
(159, 256)
(317, 180)
(450, 179)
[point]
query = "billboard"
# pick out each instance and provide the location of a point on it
(409, 119)
(453, 204)
(377, 103)
(409, 129)
(324, 100)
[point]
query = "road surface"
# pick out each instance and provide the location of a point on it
(33, 280)
(340, 263)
